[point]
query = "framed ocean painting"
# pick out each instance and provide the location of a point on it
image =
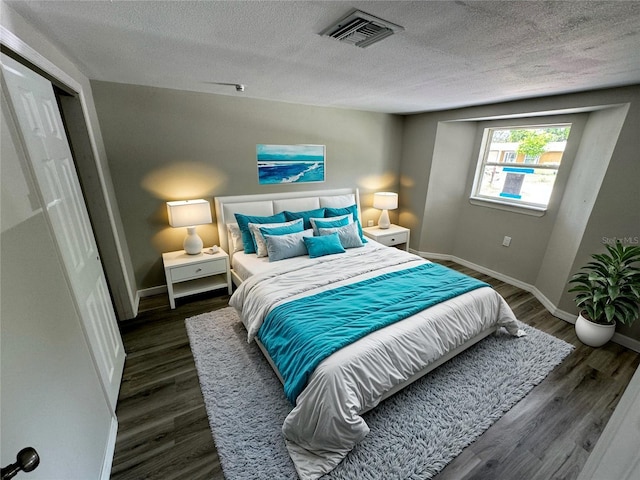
(290, 163)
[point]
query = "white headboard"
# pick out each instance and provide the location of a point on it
(271, 203)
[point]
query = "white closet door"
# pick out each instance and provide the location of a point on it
(35, 108)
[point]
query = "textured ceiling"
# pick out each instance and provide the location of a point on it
(451, 54)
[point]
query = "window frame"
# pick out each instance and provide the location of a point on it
(506, 202)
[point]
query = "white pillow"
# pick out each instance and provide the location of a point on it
(236, 238)
(261, 244)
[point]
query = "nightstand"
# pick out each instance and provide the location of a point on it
(191, 274)
(394, 236)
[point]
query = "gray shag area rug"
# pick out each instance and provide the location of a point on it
(414, 434)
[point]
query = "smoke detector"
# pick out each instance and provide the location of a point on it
(361, 29)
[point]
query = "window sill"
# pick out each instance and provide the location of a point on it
(508, 207)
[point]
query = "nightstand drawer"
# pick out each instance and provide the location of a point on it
(392, 239)
(198, 270)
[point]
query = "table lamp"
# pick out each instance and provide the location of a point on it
(385, 201)
(189, 213)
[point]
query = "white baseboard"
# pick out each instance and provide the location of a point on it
(110, 450)
(623, 340)
(136, 303)
(149, 292)
(630, 343)
(146, 292)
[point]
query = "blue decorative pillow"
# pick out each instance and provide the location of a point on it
(325, 245)
(290, 245)
(305, 216)
(293, 226)
(348, 235)
(353, 210)
(258, 238)
(339, 221)
(245, 220)
(334, 212)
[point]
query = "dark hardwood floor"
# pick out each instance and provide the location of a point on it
(164, 433)
(163, 430)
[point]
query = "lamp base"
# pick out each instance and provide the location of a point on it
(192, 242)
(383, 221)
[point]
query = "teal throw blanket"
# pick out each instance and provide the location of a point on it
(300, 334)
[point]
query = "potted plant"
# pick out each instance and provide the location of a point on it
(608, 291)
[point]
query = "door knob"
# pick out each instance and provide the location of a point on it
(26, 460)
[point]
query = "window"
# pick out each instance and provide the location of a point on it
(518, 165)
(509, 157)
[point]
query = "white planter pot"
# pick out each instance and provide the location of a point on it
(593, 334)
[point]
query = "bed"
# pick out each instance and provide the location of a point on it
(423, 314)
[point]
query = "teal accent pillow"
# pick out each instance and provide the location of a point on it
(290, 245)
(305, 216)
(339, 221)
(325, 245)
(245, 220)
(348, 235)
(353, 210)
(293, 227)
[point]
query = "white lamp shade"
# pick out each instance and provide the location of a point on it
(187, 213)
(385, 200)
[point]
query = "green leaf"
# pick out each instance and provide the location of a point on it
(579, 288)
(631, 254)
(613, 292)
(597, 296)
(603, 259)
(581, 300)
(598, 312)
(627, 314)
(609, 311)
(597, 267)
(583, 280)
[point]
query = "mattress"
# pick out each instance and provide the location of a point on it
(247, 264)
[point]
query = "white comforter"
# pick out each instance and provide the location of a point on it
(326, 423)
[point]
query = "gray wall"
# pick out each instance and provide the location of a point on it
(167, 145)
(597, 194)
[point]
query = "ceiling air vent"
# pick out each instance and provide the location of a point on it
(361, 29)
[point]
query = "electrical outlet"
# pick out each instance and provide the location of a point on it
(369, 223)
(506, 241)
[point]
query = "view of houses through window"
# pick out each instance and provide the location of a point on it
(518, 165)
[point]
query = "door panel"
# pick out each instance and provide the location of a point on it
(36, 111)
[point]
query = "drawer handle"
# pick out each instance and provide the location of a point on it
(198, 270)
(393, 239)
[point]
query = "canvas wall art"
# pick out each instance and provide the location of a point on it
(290, 163)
